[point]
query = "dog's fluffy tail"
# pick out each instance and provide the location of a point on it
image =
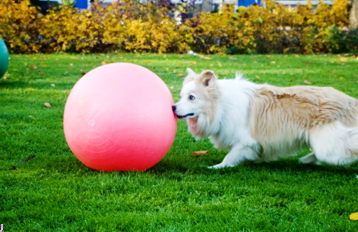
(352, 143)
(239, 76)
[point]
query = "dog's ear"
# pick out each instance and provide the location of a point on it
(190, 77)
(190, 72)
(207, 78)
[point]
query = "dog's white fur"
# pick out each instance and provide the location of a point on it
(263, 122)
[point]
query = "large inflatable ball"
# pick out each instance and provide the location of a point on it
(118, 117)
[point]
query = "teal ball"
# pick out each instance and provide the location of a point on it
(4, 58)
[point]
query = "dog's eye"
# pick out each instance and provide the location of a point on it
(191, 97)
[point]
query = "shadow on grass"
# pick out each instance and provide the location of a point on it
(12, 84)
(45, 84)
(293, 166)
(289, 166)
(172, 169)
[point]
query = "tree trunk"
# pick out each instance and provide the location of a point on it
(353, 18)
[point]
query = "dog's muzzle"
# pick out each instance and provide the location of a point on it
(181, 116)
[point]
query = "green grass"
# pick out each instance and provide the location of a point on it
(55, 192)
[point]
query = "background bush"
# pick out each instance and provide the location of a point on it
(151, 27)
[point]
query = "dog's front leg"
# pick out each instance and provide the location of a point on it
(237, 155)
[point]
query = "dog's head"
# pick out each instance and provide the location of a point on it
(198, 96)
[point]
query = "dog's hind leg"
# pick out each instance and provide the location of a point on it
(237, 155)
(335, 144)
(309, 159)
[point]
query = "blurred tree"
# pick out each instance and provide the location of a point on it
(353, 18)
(34, 2)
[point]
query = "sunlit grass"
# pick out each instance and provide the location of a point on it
(55, 191)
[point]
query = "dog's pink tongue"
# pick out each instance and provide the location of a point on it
(193, 125)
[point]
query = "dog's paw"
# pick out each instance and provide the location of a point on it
(213, 167)
(221, 165)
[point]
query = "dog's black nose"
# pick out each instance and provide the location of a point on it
(174, 108)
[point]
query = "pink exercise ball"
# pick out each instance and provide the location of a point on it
(118, 117)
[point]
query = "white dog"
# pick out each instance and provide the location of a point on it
(263, 122)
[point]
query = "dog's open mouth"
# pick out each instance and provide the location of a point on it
(184, 116)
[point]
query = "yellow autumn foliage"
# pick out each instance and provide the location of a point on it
(149, 27)
(19, 26)
(274, 28)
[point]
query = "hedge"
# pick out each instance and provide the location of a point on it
(134, 27)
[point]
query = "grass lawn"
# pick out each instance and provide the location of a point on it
(43, 187)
